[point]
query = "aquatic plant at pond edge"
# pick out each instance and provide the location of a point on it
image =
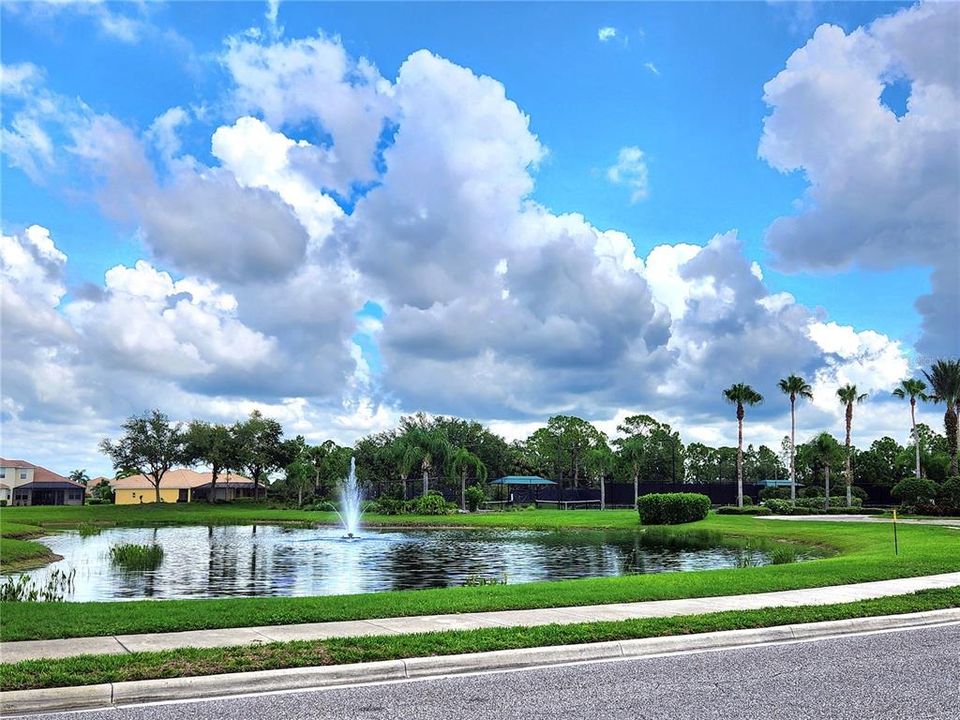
(88, 529)
(23, 589)
(137, 557)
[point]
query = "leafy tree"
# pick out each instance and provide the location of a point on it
(262, 449)
(560, 449)
(300, 475)
(915, 390)
(880, 463)
(79, 476)
(213, 445)
(150, 445)
(740, 395)
(944, 379)
(662, 456)
(794, 387)
(329, 463)
(849, 397)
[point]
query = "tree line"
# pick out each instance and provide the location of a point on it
(448, 453)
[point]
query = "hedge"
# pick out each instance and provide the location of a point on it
(746, 510)
(813, 506)
(672, 508)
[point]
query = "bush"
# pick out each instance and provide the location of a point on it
(813, 506)
(948, 497)
(747, 501)
(430, 504)
(672, 508)
(774, 493)
(838, 501)
(390, 506)
(474, 497)
(745, 510)
(916, 492)
(783, 554)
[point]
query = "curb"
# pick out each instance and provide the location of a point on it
(24, 702)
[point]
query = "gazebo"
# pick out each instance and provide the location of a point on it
(531, 482)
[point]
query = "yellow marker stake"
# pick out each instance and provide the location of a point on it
(896, 548)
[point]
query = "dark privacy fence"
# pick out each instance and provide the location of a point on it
(622, 493)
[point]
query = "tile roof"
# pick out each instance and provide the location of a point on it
(40, 473)
(177, 479)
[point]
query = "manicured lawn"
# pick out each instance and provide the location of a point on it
(16, 552)
(864, 552)
(92, 669)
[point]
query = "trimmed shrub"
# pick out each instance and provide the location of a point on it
(474, 497)
(814, 506)
(745, 510)
(916, 492)
(838, 501)
(747, 501)
(430, 504)
(672, 508)
(779, 507)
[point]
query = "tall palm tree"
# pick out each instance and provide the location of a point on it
(423, 447)
(913, 389)
(848, 398)
(796, 387)
(459, 464)
(944, 379)
(740, 394)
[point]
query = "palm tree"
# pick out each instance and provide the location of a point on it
(741, 394)
(423, 447)
(796, 387)
(459, 463)
(848, 398)
(79, 476)
(913, 389)
(944, 379)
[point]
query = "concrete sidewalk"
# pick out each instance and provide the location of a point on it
(35, 649)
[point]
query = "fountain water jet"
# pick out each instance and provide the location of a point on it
(350, 497)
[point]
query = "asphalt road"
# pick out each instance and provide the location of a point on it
(899, 675)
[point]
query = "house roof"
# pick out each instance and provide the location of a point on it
(522, 480)
(181, 478)
(40, 474)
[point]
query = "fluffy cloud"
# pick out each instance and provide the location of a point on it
(606, 33)
(315, 81)
(631, 170)
(883, 189)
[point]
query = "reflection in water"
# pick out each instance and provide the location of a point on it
(247, 561)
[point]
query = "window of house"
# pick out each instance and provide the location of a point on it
(23, 476)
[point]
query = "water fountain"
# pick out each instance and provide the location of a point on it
(350, 497)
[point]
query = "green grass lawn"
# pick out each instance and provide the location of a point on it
(19, 553)
(92, 669)
(863, 552)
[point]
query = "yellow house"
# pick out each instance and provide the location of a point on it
(178, 486)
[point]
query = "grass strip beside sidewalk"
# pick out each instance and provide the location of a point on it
(864, 553)
(93, 669)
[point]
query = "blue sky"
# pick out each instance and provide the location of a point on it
(582, 208)
(698, 121)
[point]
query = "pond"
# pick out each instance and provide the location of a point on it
(272, 560)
